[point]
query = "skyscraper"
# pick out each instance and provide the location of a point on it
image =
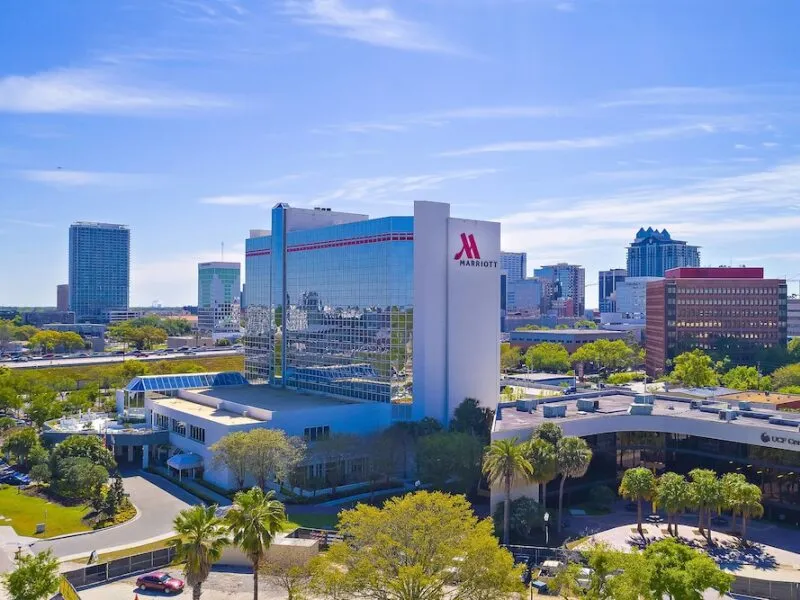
(653, 252)
(515, 264)
(218, 296)
(607, 289)
(62, 297)
(99, 269)
(568, 288)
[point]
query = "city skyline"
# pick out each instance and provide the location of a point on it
(188, 121)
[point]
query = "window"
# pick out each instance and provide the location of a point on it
(312, 434)
(198, 434)
(178, 427)
(162, 421)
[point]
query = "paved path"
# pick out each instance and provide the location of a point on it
(158, 502)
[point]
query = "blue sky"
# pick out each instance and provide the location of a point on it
(573, 122)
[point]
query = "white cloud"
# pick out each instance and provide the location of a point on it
(28, 223)
(67, 178)
(741, 147)
(243, 200)
(770, 144)
(603, 141)
(92, 91)
(684, 95)
(378, 25)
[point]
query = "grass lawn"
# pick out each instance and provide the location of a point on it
(23, 512)
(313, 521)
(136, 550)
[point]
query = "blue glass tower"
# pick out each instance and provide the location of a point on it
(99, 269)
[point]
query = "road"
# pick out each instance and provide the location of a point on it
(101, 360)
(158, 502)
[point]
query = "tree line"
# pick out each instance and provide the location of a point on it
(602, 356)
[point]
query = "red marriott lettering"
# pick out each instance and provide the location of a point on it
(473, 256)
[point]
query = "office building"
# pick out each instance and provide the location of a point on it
(38, 318)
(607, 283)
(398, 311)
(665, 432)
(654, 252)
(571, 339)
(218, 297)
(733, 309)
(524, 296)
(568, 288)
(515, 264)
(99, 269)
(631, 296)
(62, 297)
(793, 318)
(118, 316)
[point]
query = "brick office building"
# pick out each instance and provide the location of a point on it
(707, 307)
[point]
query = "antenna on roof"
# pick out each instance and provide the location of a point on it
(222, 251)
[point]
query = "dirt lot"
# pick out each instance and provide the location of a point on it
(221, 585)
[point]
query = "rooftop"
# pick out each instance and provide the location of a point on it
(534, 377)
(181, 381)
(271, 398)
(588, 332)
(615, 404)
(202, 411)
(715, 273)
(763, 397)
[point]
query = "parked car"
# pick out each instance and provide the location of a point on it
(160, 582)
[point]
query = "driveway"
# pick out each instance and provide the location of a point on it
(158, 502)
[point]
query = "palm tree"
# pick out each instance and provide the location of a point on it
(672, 494)
(544, 462)
(202, 536)
(732, 484)
(549, 432)
(638, 484)
(253, 521)
(750, 505)
(573, 456)
(503, 462)
(706, 495)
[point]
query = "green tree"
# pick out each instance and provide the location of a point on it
(585, 324)
(10, 399)
(510, 357)
(565, 582)
(672, 494)
(44, 406)
(70, 341)
(20, 443)
(115, 497)
(254, 520)
(231, 452)
(549, 432)
(638, 484)
(202, 537)
(706, 495)
(46, 341)
(272, 454)
(731, 486)
(34, 578)
(84, 446)
(527, 515)
(682, 573)
(40, 473)
(574, 456)
(79, 478)
(750, 506)
(503, 463)
(544, 463)
(745, 378)
(788, 376)
(470, 417)
(547, 356)
(694, 369)
(426, 545)
(450, 461)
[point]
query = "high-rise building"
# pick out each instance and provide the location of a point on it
(524, 295)
(631, 299)
(515, 264)
(734, 311)
(793, 317)
(568, 288)
(397, 310)
(99, 269)
(653, 252)
(218, 297)
(62, 297)
(607, 288)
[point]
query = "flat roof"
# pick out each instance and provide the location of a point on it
(202, 411)
(536, 376)
(617, 404)
(589, 332)
(766, 397)
(271, 398)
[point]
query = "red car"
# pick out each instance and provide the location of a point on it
(160, 581)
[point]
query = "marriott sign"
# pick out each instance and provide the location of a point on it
(470, 256)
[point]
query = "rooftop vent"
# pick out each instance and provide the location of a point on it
(588, 404)
(644, 399)
(640, 409)
(526, 405)
(550, 411)
(727, 415)
(745, 405)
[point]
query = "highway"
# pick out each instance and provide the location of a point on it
(111, 358)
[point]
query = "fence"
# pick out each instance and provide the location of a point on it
(66, 590)
(325, 537)
(100, 573)
(763, 588)
(534, 555)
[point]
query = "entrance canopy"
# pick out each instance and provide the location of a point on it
(184, 462)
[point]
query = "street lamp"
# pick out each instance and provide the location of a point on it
(546, 529)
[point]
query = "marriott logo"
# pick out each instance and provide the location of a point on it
(470, 256)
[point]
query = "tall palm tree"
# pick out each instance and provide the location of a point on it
(253, 521)
(732, 485)
(672, 494)
(638, 484)
(573, 455)
(544, 462)
(706, 495)
(202, 536)
(750, 505)
(503, 462)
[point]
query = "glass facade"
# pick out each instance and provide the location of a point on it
(654, 252)
(99, 269)
(218, 295)
(330, 309)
